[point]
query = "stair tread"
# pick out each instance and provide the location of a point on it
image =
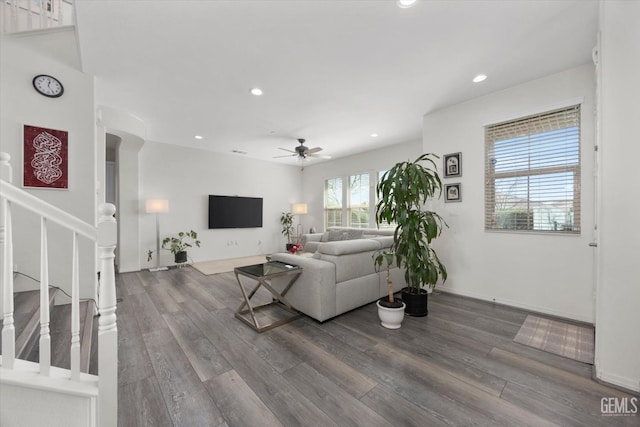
(60, 331)
(27, 329)
(26, 315)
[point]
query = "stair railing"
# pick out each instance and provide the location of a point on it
(104, 235)
(27, 15)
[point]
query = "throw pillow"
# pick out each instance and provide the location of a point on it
(335, 235)
(354, 234)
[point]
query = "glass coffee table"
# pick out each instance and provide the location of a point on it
(263, 273)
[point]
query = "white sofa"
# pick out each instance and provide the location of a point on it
(310, 241)
(338, 277)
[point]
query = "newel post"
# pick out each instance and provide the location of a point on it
(107, 329)
(6, 275)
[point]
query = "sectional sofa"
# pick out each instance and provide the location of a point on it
(338, 272)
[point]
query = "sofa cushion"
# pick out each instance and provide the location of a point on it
(348, 246)
(335, 235)
(352, 258)
(385, 241)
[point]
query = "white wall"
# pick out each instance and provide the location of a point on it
(55, 53)
(187, 176)
(545, 273)
(370, 161)
(618, 306)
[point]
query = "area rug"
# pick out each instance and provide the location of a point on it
(225, 265)
(565, 339)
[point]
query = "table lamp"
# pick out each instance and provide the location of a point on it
(299, 209)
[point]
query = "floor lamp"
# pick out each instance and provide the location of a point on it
(299, 209)
(157, 206)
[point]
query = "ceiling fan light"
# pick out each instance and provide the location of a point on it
(256, 91)
(405, 4)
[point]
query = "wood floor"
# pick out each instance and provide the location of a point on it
(184, 360)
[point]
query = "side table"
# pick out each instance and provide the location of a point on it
(263, 273)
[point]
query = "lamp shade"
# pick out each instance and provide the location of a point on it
(156, 206)
(299, 208)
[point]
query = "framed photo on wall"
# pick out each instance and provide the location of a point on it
(453, 192)
(452, 165)
(45, 158)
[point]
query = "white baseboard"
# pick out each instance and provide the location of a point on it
(632, 384)
(537, 309)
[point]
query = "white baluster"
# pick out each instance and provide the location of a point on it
(6, 241)
(45, 338)
(75, 312)
(107, 328)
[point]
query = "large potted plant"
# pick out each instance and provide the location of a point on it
(178, 245)
(402, 194)
(286, 219)
(390, 309)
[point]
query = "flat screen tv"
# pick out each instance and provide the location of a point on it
(235, 212)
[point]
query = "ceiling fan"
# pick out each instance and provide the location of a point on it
(302, 151)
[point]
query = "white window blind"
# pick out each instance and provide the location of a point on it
(532, 173)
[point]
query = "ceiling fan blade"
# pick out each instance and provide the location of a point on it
(286, 149)
(314, 150)
(319, 156)
(286, 155)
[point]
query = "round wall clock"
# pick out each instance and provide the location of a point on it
(48, 86)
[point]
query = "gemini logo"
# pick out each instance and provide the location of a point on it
(619, 406)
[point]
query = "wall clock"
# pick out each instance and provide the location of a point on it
(48, 86)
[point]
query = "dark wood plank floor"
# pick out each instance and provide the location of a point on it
(184, 360)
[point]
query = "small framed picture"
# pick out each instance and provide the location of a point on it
(453, 192)
(45, 158)
(452, 165)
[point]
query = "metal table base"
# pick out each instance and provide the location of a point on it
(279, 299)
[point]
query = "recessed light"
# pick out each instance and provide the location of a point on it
(198, 137)
(374, 135)
(404, 4)
(479, 78)
(256, 91)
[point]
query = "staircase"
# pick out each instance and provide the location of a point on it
(30, 15)
(46, 349)
(26, 322)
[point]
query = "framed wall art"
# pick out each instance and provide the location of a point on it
(452, 165)
(45, 158)
(453, 192)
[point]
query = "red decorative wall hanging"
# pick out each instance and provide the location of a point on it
(45, 158)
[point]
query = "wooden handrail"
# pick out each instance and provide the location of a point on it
(20, 197)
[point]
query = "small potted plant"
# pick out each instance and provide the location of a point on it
(390, 309)
(286, 219)
(178, 245)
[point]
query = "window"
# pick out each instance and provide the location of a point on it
(532, 173)
(358, 205)
(333, 202)
(385, 224)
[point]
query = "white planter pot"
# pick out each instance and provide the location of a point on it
(390, 318)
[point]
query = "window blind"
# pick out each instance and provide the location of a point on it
(532, 173)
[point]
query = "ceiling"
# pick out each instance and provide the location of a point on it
(333, 72)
